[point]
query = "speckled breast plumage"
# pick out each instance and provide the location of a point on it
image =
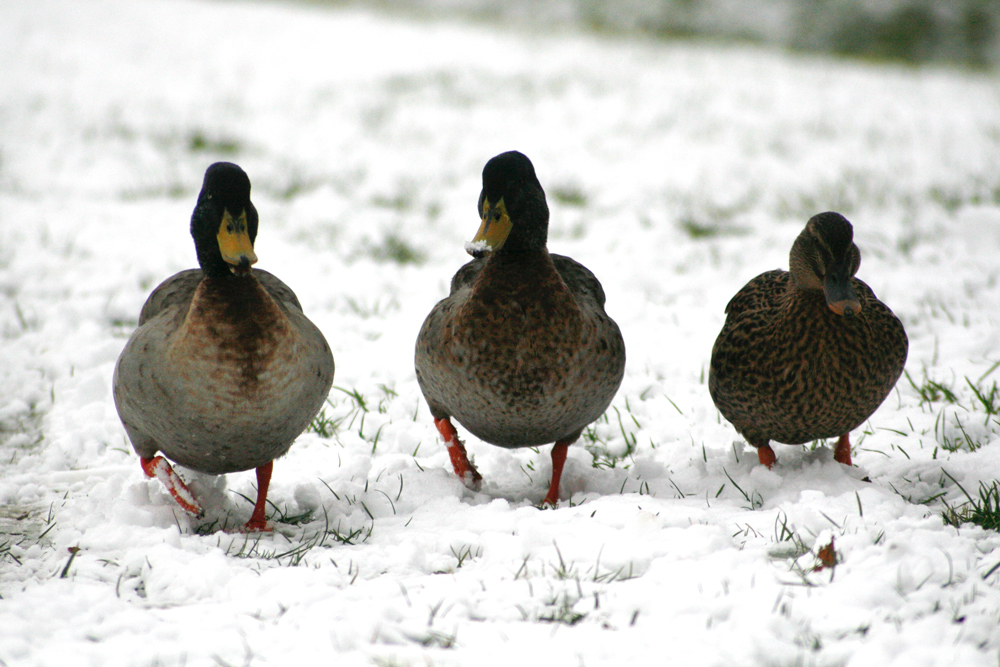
(522, 359)
(787, 368)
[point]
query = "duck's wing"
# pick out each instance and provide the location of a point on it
(580, 280)
(278, 290)
(887, 332)
(174, 292)
(318, 349)
(466, 276)
(439, 378)
(761, 292)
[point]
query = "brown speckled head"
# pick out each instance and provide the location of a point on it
(824, 257)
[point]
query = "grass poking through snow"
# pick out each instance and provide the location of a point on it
(983, 511)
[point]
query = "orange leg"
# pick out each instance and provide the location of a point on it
(558, 461)
(159, 468)
(459, 459)
(766, 455)
(258, 522)
(842, 452)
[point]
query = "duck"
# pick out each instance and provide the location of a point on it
(810, 353)
(224, 370)
(521, 352)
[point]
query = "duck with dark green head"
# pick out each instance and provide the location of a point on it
(224, 370)
(521, 353)
(807, 354)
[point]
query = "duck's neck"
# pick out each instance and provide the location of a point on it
(237, 288)
(232, 325)
(513, 262)
(798, 296)
(521, 277)
(211, 262)
(241, 304)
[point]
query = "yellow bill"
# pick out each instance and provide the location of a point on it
(234, 240)
(494, 229)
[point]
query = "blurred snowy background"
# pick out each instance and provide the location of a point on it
(915, 31)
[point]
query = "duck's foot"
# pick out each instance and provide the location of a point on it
(842, 452)
(558, 461)
(766, 455)
(459, 459)
(258, 522)
(159, 468)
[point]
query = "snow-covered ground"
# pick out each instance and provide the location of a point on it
(675, 171)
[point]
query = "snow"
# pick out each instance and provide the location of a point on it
(675, 171)
(477, 248)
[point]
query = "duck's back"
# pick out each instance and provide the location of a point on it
(521, 358)
(787, 368)
(222, 374)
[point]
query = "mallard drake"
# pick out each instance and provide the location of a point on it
(810, 353)
(224, 370)
(521, 352)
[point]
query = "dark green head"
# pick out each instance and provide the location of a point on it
(515, 217)
(224, 222)
(824, 257)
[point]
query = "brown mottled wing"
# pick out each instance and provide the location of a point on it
(467, 275)
(174, 292)
(278, 290)
(888, 335)
(736, 356)
(740, 371)
(761, 292)
(580, 280)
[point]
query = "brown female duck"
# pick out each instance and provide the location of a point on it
(521, 352)
(810, 353)
(224, 370)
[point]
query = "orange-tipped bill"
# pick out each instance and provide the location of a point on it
(840, 295)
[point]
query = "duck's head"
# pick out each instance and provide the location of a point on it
(824, 257)
(224, 222)
(515, 217)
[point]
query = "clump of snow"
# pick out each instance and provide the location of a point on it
(693, 168)
(477, 248)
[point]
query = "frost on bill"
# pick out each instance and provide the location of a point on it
(477, 248)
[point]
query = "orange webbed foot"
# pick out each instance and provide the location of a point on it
(842, 452)
(459, 459)
(558, 461)
(258, 521)
(159, 468)
(766, 456)
(253, 526)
